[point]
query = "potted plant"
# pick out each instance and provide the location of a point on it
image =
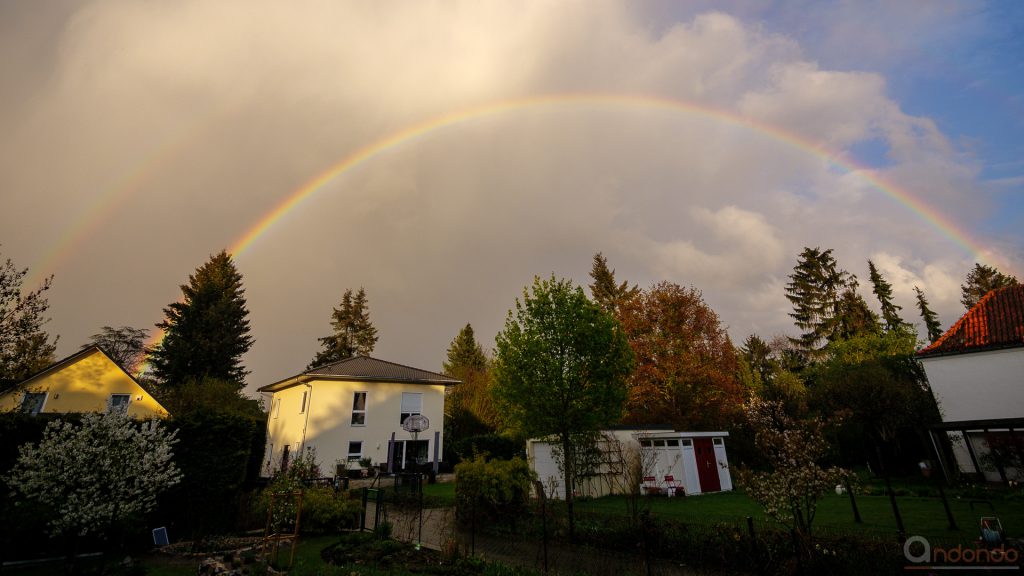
(365, 463)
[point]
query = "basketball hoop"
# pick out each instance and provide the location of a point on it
(415, 424)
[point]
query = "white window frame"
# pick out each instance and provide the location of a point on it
(25, 398)
(110, 402)
(276, 407)
(355, 411)
(412, 403)
(355, 456)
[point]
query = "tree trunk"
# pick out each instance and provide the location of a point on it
(568, 457)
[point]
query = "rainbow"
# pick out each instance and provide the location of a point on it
(420, 130)
(103, 207)
(936, 219)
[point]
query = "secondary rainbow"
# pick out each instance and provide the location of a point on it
(417, 131)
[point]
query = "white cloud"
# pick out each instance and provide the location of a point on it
(205, 116)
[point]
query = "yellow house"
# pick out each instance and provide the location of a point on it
(355, 409)
(87, 381)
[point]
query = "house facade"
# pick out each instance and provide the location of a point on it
(87, 381)
(976, 372)
(354, 410)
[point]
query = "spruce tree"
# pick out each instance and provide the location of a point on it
(758, 355)
(883, 291)
(465, 353)
(981, 280)
(931, 320)
(816, 290)
(354, 334)
(855, 316)
(207, 331)
(609, 294)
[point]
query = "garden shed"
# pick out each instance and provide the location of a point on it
(653, 461)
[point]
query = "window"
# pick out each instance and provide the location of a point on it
(687, 443)
(359, 409)
(119, 402)
(277, 407)
(302, 407)
(717, 441)
(412, 403)
(659, 443)
(646, 443)
(355, 450)
(32, 403)
(672, 442)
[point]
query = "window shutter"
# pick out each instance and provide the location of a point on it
(412, 403)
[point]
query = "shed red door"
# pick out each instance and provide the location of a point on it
(707, 465)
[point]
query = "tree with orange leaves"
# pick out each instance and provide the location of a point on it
(686, 367)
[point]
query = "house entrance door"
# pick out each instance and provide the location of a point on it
(398, 455)
(707, 465)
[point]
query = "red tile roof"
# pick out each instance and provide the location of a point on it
(996, 321)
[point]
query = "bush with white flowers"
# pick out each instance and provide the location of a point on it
(96, 474)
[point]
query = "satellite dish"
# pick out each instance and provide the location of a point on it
(415, 424)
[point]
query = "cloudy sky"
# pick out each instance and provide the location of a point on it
(703, 143)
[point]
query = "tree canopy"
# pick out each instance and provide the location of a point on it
(561, 367)
(815, 290)
(607, 292)
(125, 345)
(469, 407)
(981, 280)
(207, 331)
(686, 368)
(25, 348)
(96, 474)
(883, 291)
(353, 334)
(930, 318)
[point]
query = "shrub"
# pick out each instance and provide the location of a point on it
(324, 510)
(496, 489)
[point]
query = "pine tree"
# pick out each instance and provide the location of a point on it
(981, 280)
(609, 294)
(25, 348)
(931, 320)
(354, 334)
(815, 290)
(883, 291)
(207, 331)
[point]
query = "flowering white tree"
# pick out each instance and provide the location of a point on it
(789, 492)
(97, 473)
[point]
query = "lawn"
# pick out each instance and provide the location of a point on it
(440, 494)
(922, 516)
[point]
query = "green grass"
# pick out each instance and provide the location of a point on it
(440, 494)
(923, 516)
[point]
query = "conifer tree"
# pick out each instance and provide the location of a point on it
(465, 353)
(931, 320)
(468, 406)
(25, 348)
(609, 294)
(981, 280)
(354, 334)
(758, 354)
(207, 331)
(883, 291)
(855, 316)
(816, 290)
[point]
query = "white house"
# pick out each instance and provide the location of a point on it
(976, 372)
(648, 460)
(353, 410)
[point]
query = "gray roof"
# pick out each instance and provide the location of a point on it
(367, 369)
